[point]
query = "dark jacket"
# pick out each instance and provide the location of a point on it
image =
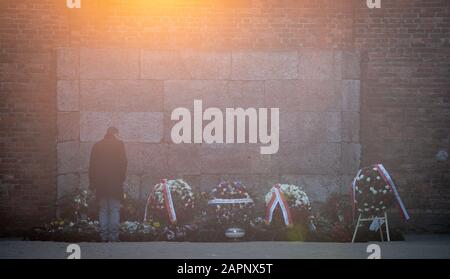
(108, 168)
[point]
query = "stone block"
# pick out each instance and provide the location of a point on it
(121, 95)
(207, 65)
(316, 64)
(310, 126)
(68, 95)
(67, 183)
(222, 159)
(350, 126)
(163, 65)
(303, 95)
(132, 186)
(246, 94)
(148, 181)
(84, 180)
(351, 91)
(351, 156)
(181, 93)
(109, 63)
(184, 158)
(346, 182)
(68, 157)
(317, 187)
(147, 158)
(351, 65)
(85, 155)
(257, 65)
(68, 126)
(133, 126)
(308, 158)
(68, 63)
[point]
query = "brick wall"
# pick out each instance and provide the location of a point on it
(405, 101)
(404, 79)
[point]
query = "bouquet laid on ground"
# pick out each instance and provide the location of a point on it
(64, 230)
(136, 231)
(132, 208)
(77, 205)
(170, 202)
(289, 202)
(231, 204)
(334, 219)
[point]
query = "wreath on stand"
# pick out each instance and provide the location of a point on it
(230, 205)
(288, 211)
(372, 194)
(171, 205)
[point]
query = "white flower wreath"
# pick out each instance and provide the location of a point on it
(295, 196)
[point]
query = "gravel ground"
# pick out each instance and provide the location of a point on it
(415, 246)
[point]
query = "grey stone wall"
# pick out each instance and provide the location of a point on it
(317, 91)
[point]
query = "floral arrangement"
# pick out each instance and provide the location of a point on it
(64, 230)
(137, 231)
(334, 219)
(231, 204)
(297, 202)
(77, 205)
(171, 202)
(132, 208)
(371, 192)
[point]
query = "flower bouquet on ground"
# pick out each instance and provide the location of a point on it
(77, 205)
(136, 231)
(66, 231)
(232, 207)
(171, 205)
(205, 220)
(288, 210)
(334, 220)
(132, 209)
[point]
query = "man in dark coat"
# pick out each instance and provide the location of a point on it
(107, 173)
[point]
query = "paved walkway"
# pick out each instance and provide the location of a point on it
(415, 246)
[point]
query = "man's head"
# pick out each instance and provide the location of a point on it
(112, 131)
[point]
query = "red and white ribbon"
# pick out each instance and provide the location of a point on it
(167, 201)
(278, 199)
(387, 178)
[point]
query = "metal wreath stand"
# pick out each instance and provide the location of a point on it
(372, 219)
